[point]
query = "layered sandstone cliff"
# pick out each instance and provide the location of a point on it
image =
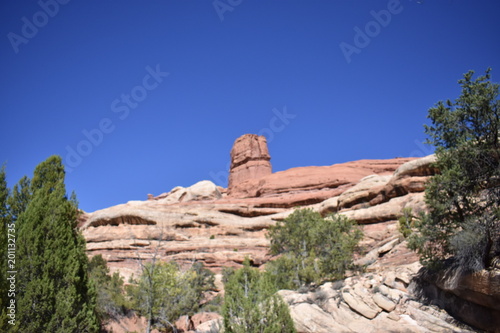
(199, 223)
(221, 227)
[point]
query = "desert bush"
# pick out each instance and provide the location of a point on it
(311, 248)
(164, 292)
(252, 305)
(111, 301)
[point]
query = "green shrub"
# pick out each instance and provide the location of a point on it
(111, 302)
(164, 292)
(406, 222)
(311, 248)
(226, 273)
(252, 305)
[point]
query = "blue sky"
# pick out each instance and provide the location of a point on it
(141, 96)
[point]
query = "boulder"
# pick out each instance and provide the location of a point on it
(201, 191)
(358, 305)
(184, 324)
(328, 206)
(384, 302)
(418, 167)
(211, 326)
(204, 321)
(311, 318)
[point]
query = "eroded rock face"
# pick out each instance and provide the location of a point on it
(200, 223)
(309, 185)
(474, 298)
(201, 231)
(250, 159)
(374, 302)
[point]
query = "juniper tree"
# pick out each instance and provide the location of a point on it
(164, 292)
(54, 291)
(110, 301)
(252, 305)
(312, 248)
(463, 222)
(19, 198)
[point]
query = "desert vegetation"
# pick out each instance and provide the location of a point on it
(311, 249)
(60, 290)
(462, 225)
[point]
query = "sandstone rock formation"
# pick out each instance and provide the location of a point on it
(474, 298)
(204, 322)
(199, 323)
(250, 176)
(197, 223)
(249, 160)
(204, 223)
(203, 190)
(371, 302)
(309, 185)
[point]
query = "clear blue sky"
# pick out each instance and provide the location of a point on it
(252, 66)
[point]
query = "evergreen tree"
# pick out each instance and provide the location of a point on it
(19, 198)
(463, 221)
(164, 292)
(54, 291)
(252, 305)
(111, 303)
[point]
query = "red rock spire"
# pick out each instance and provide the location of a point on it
(249, 159)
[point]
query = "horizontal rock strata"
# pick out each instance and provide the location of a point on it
(200, 223)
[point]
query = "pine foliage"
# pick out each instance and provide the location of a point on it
(463, 223)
